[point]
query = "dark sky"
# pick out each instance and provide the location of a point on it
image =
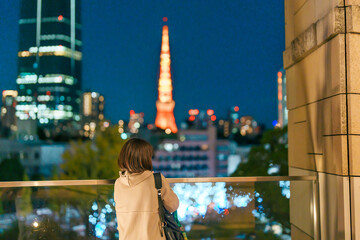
(224, 53)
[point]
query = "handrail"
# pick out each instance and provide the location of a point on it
(98, 182)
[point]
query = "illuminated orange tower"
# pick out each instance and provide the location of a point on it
(165, 104)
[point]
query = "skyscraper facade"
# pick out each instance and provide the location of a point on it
(282, 109)
(165, 104)
(92, 112)
(49, 62)
(8, 119)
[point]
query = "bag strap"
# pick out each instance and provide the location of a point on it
(158, 185)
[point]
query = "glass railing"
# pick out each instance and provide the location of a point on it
(210, 208)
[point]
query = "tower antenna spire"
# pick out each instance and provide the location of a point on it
(165, 104)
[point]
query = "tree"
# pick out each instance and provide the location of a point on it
(271, 153)
(11, 169)
(95, 159)
(86, 159)
(23, 205)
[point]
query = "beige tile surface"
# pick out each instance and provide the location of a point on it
(321, 74)
(353, 63)
(334, 207)
(330, 24)
(297, 234)
(297, 115)
(298, 4)
(323, 7)
(287, 57)
(335, 155)
(353, 19)
(300, 145)
(354, 152)
(355, 189)
(289, 22)
(331, 112)
(304, 17)
(354, 113)
(301, 211)
(351, 2)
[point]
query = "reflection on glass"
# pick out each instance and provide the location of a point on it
(207, 211)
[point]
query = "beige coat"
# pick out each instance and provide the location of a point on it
(136, 205)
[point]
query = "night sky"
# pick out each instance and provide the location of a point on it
(224, 53)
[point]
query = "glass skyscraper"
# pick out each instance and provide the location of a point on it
(49, 62)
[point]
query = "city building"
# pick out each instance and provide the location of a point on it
(92, 112)
(248, 126)
(194, 153)
(223, 152)
(165, 104)
(37, 157)
(7, 114)
(321, 60)
(136, 121)
(224, 128)
(234, 120)
(43, 158)
(282, 109)
(236, 125)
(49, 62)
(200, 119)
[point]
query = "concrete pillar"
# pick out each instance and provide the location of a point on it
(322, 62)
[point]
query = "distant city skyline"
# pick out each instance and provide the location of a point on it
(224, 54)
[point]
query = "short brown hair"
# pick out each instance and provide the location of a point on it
(136, 156)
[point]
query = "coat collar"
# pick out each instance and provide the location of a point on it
(134, 178)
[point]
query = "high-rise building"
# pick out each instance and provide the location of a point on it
(234, 120)
(249, 126)
(92, 111)
(136, 121)
(49, 62)
(231, 125)
(8, 118)
(200, 119)
(92, 107)
(282, 109)
(165, 104)
(192, 154)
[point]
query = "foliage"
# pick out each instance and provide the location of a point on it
(11, 169)
(48, 229)
(11, 233)
(272, 152)
(23, 200)
(95, 159)
(88, 159)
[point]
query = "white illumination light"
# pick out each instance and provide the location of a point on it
(123, 136)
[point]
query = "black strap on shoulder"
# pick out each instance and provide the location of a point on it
(158, 182)
(158, 185)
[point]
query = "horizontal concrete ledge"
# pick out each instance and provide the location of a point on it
(99, 182)
(315, 36)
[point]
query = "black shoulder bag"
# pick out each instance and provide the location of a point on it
(169, 226)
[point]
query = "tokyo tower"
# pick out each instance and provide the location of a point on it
(165, 104)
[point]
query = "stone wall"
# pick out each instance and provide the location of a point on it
(322, 62)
